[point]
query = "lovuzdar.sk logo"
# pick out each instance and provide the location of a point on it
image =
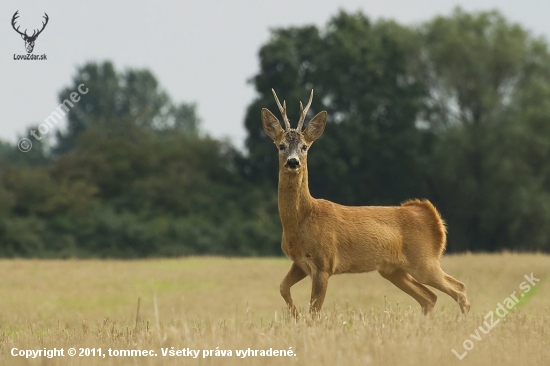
(29, 40)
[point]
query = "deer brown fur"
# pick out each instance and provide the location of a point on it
(403, 243)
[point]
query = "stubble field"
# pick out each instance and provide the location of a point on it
(220, 305)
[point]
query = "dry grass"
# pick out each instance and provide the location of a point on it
(204, 303)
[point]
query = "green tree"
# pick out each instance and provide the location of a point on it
(167, 193)
(115, 96)
(39, 153)
(132, 177)
(372, 151)
(486, 79)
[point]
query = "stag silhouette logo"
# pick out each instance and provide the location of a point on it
(29, 40)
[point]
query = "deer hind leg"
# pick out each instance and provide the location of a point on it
(460, 288)
(318, 291)
(294, 275)
(435, 277)
(405, 282)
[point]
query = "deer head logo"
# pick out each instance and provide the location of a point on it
(29, 40)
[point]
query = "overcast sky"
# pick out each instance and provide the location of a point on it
(200, 51)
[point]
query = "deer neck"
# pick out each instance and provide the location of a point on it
(295, 201)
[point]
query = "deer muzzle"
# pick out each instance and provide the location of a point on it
(292, 163)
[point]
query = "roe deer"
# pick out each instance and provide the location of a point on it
(403, 243)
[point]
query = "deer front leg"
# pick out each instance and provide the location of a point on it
(294, 275)
(318, 291)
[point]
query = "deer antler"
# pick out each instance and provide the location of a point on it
(34, 34)
(282, 109)
(43, 26)
(15, 16)
(303, 112)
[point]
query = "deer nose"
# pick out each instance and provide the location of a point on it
(293, 163)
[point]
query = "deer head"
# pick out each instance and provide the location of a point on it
(29, 40)
(293, 144)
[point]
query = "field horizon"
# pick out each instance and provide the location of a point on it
(215, 304)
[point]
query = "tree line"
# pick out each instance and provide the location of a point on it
(455, 110)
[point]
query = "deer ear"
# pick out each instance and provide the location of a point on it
(315, 127)
(272, 126)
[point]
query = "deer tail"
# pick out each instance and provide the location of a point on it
(436, 225)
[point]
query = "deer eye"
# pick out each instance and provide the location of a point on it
(281, 147)
(304, 148)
